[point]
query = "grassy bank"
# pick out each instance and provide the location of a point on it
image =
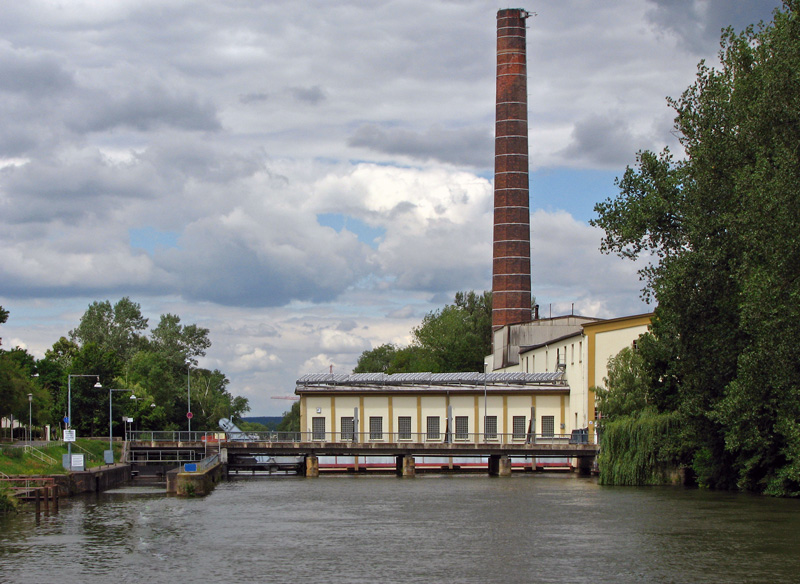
(14, 460)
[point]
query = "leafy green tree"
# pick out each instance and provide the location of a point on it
(291, 419)
(454, 338)
(721, 228)
(90, 404)
(180, 343)
(626, 391)
(118, 328)
(377, 360)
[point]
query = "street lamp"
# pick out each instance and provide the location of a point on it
(30, 426)
(189, 397)
(134, 398)
(109, 458)
(69, 408)
(485, 422)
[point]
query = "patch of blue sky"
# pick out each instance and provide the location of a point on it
(366, 234)
(150, 239)
(575, 191)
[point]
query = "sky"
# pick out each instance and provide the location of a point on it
(308, 179)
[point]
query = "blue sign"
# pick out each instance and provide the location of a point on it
(190, 467)
(66, 420)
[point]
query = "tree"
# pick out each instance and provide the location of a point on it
(116, 328)
(377, 360)
(458, 336)
(626, 389)
(291, 419)
(721, 227)
(454, 338)
(180, 343)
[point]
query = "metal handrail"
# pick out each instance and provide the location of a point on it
(36, 453)
(359, 437)
(88, 454)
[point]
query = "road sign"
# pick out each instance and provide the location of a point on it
(69, 436)
(66, 420)
(189, 415)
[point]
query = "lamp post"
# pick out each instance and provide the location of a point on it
(484, 403)
(30, 426)
(110, 456)
(136, 399)
(69, 408)
(189, 397)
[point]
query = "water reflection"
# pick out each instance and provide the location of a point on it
(544, 528)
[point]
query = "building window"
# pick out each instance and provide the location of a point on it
(404, 427)
(375, 428)
(572, 354)
(548, 426)
(462, 427)
(347, 428)
(580, 352)
(518, 427)
(490, 427)
(318, 428)
(433, 428)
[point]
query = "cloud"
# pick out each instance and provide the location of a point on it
(311, 95)
(463, 146)
(237, 128)
(698, 23)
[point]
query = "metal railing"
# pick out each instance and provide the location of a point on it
(87, 453)
(165, 455)
(211, 438)
(36, 453)
(207, 462)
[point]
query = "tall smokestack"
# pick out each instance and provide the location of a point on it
(511, 270)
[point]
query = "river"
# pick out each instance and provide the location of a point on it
(527, 528)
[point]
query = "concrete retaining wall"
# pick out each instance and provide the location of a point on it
(191, 484)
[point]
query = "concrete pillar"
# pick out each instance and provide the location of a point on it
(494, 464)
(405, 466)
(585, 465)
(312, 466)
(504, 466)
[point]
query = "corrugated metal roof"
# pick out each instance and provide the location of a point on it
(438, 379)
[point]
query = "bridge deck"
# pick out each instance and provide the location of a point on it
(562, 449)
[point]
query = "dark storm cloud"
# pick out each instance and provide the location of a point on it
(253, 97)
(699, 22)
(601, 140)
(312, 95)
(468, 146)
(64, 189)
(35, 75)
(147, 108)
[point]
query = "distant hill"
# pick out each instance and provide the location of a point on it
(269, 421)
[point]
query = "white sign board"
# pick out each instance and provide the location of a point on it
(69, 435)
(77, 462)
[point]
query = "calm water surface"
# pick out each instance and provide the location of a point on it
(552, 528)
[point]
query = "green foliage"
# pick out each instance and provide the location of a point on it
(8, 502)
(111, 342)
(638, 450)
(291, 419)
(15, 461)
(377, 360)
(115, 329)
(626, 391)
(180, 343)
(721, 228)
(454, 338)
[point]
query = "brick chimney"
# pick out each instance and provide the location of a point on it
(511, 269)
